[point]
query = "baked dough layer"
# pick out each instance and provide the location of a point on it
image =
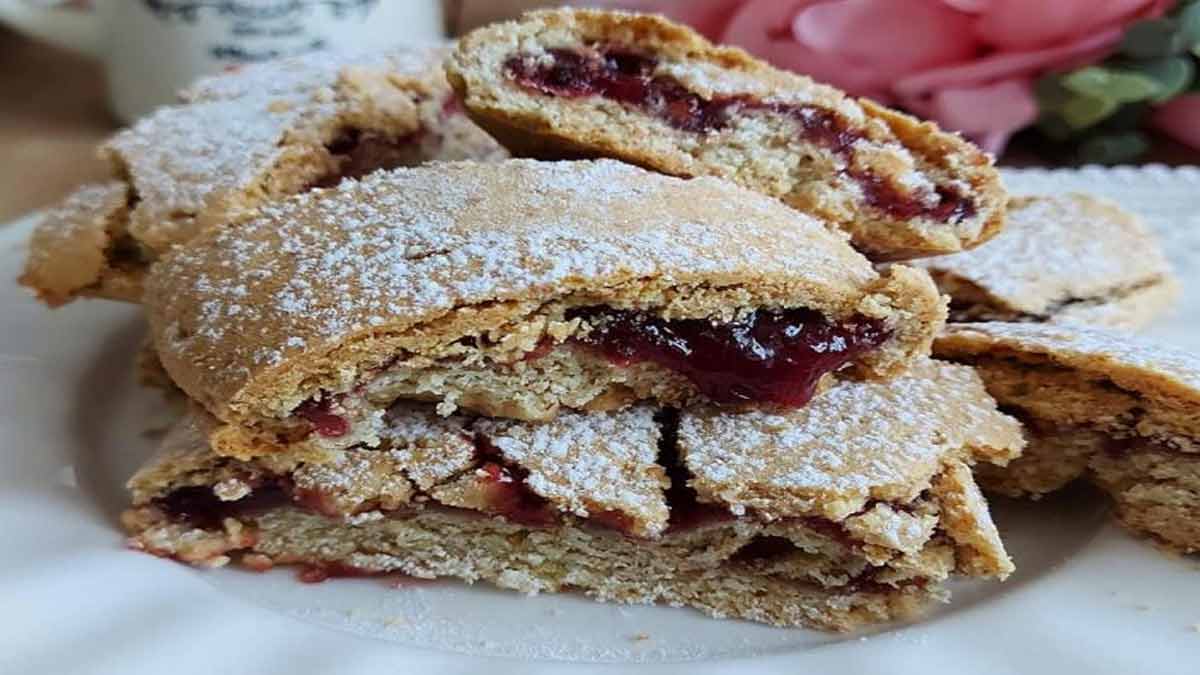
(876, 173)
(1109, 407)
(625, 506)
(455, 283)
(241, 140)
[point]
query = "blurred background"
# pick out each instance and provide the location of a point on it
(1037, 82)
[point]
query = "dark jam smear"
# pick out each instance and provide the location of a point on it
(774, 357)
(198, 506)
(686, 512)
(320, 414)
(357, 153)
(507, 492)
(628, 77)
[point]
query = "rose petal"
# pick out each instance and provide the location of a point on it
(1029, 24)
(1003, 106)
(1180, 119)
(994, 141)
(1005, 65)
(970, 6)
(989, 115)
(890, 37)
(709, 17)
(763, 28)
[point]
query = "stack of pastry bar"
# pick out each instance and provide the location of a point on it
(671, 373)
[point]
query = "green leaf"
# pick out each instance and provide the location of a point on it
(1090, 81)
(1153, 38)
(1189, 25)
(1050, 93)
(1082, 112)
(1172, 74)
(1113, 148)
(1127, 118)
(1055, 127)
(1120, 86)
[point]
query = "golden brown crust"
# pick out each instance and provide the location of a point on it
(693, 570)
(1067, 258)
(71, 250)
(383, 509)
(857, 442)
(326, 288)
(247, 138)
(1106, 406)
(764, 156)
(1165, 377)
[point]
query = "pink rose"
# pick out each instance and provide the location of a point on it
(967, 64)
(1180, 119)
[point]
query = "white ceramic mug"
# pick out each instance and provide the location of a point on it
(152, 48)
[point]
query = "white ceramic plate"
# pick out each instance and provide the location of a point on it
(73, 426)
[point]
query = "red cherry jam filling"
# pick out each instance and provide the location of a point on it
(506, 491)
(324, 421)
(774, 357)
(685, 511)
(356, 154)
(197, 505)
(628, 78)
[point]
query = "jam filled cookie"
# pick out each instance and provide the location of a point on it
(1062, 259)
(517, 288)
(571, 83)
(1105, 406)
(239, 145)
(80, 248)
(837, 534)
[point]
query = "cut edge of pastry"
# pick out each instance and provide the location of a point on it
(1098, 406)
(526, 130)
(419, 515)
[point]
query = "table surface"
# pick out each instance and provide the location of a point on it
(54, 114)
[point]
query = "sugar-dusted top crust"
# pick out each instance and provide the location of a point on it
(589, 463)
(1134, 363)
(583, 464)
(312, 76)
(193, 165)
(347, 277)
(259, 134)
(909, 154)
(1057, 249)
(67, 252)
(857, 442)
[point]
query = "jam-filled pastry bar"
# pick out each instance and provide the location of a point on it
(572, 83)
(1068, 258)
(781, 518)
(519, 288)
(1110, 407)
(240, 144)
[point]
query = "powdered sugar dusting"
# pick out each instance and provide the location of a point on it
(589, 462)
(399, 247)
(1058, 248)
(183, 159)
(431, 448)
(303, 78)
(857, 441)
(1117, 354)
(80, 218)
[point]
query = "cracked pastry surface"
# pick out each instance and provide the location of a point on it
(519, 289)
(582, 83)
(246, 138)
(1067, 258)
(610, 504)
(1113, 408)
